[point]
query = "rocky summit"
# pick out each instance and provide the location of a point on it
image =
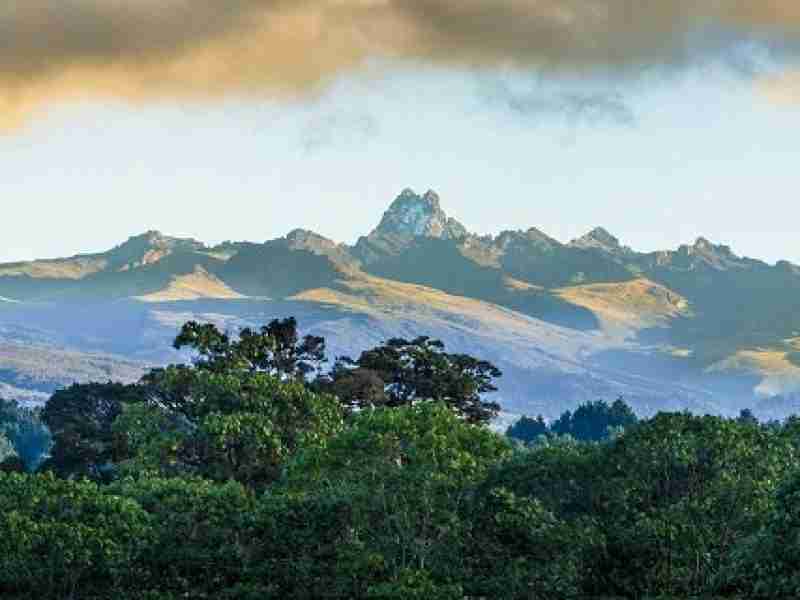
(697, 327)
(411, 215)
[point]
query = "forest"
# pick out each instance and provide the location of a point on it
(257, 470)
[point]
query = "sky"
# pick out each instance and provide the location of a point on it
(660, 124)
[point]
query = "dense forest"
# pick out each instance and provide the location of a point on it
(257, 471)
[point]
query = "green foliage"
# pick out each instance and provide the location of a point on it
(225, 425)
(397, 441)
(394, 490)
(512, 544)
(416, 370)
(767, 563)
(233, 478)
(594, 421)
(275, 349)
(80, 419)
(527, 430)
(686, 490)
(58, 538)
(200, 539)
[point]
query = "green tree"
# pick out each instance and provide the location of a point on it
(276, 349)
(200, 539)
(686, 491)
(67, 539)
(80, 419)
(420, 370)
(225, 425)
(527, 429)
(767, 563)
(594, 421)
(393, 487)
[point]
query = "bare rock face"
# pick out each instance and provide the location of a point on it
(147, 249)
(599, 239)
(411, 215)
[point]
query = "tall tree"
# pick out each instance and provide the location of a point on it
(276, 349)
(238, 412)
(527, 429)
(418, 370)
(80, 419)
(593, 421)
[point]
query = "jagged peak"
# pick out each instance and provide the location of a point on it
(412, 215)
(305, 239)
(599, 238)
(305, 234)
(703, 245)
(155, 237)
(147, 248)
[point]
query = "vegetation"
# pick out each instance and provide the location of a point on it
(241, 476)
(402, 372)
(591, 422)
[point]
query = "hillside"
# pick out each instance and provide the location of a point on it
(697, 327)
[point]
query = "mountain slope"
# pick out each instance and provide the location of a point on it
(696, 327)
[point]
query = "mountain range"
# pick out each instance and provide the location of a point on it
(695, 328)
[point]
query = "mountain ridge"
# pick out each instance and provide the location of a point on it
(409, 216)
(700, 310)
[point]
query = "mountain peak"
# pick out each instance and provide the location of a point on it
(304, 239)
(147, 248)
(598, 238)
(704, 246)
(412, 215)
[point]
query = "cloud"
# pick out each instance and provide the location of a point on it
(578, 105)
(149, 50)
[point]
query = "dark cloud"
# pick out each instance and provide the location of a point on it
(140, 50)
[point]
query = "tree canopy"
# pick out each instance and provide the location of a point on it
(592, 421)
(239, 477)
(416, 370)
(276, 349)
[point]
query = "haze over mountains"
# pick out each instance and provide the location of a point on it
(697, 327)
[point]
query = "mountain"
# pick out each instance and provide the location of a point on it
(698, 327)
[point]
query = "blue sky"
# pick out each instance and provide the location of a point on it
(658, 164)
(245, 119)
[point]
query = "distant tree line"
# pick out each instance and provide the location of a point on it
(254, 473)
(591, 422)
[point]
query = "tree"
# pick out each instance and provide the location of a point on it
(682, 491)
(275, 349)
(356, 387)
(593, 421)
(766, 564)
(747, 417)
(386, 498)
(80, 419)
(420, 370)
(233, 424)
(527, 429)
(67, 539)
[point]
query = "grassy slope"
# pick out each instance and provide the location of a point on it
(514, 302)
